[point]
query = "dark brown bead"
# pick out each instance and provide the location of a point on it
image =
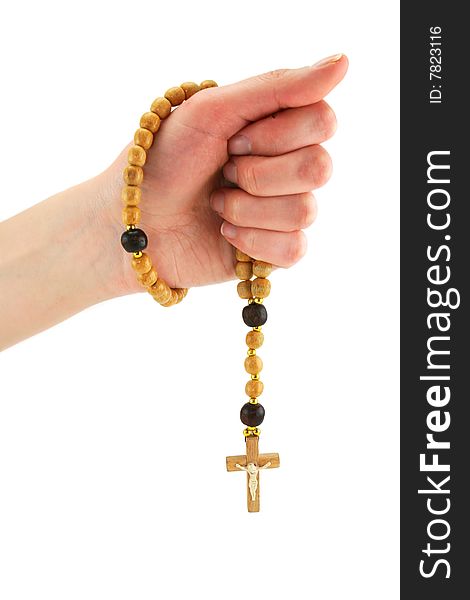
(252, 415)
(255, 314)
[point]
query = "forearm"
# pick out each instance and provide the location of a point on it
(57, 258)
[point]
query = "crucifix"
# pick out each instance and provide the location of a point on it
(252, 463)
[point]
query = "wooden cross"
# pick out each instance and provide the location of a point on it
(252, 463)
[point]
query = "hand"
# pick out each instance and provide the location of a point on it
(270, 126)
(269, 129)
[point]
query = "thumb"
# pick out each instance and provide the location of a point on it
(225, 110)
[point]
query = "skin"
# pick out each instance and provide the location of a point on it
(232, 166)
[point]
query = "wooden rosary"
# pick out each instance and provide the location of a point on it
(134, 241)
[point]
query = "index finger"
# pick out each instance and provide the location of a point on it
(235, 105)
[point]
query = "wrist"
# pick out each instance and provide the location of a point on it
(116, 277)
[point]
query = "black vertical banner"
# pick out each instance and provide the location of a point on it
(435, 331)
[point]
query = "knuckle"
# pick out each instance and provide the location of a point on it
(326, 120)
(315, 168)
(249, 177)
(273, 75)
(233, 208)
(296, 248)
(251, 242)
(306, 211)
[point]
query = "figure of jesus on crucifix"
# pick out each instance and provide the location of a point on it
(252, 463)
(252, 471)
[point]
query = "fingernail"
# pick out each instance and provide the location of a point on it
(239, 144)
(230, 171)
(218, 201)
(328, 60)
(228, 230)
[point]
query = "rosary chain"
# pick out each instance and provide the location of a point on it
(134, 240)
(254, 315)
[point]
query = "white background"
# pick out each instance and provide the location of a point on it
(112, 454)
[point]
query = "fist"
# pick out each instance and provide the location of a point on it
(235, 166)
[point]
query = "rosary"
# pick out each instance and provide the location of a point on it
(134, 241)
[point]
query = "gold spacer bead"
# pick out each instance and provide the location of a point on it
(251, 352)
(129, 227)
(253, 400)
(257, 328)
(258, 300)
(137, 254)
(251, 431)
(255, 377)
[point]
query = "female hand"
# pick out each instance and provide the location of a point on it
(270, 126)
(263, 135)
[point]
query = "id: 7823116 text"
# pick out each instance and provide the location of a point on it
(435, 65)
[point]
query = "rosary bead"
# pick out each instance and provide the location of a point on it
(150, 121)
(134, 240)
(252, 415)
(131, 215)
(173, 299)
(243, 270)
(254, 388)
(244, 289)
(253, 364)
(260, 287)
(148, 279)
(143, 264)
(175, 95)
(181, 293)
(254, 339)
(189, 88)
(255, 315)
(161, 107)
(133, 175)
(160, 291)
(207, 83)
(131, 195)
(241, 256)
(143, 137)
(137, 156)
(262, 269)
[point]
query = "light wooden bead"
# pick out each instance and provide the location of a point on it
(161, 107)
(189, 88)
(253, 364)
(172, 300)
(143, 264)
(241, 256)
(160, 291)
(149, 278)
(254, 388)
(131, 215)
(254, 339)
(244, 289)
(137, 156)
(175, 95)
(133, 175)
(143, 137)
(131, 195)
(181, 293)
(244, 270)
(207, 83)
(150, 121)
(262, 269)
(260, 287)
